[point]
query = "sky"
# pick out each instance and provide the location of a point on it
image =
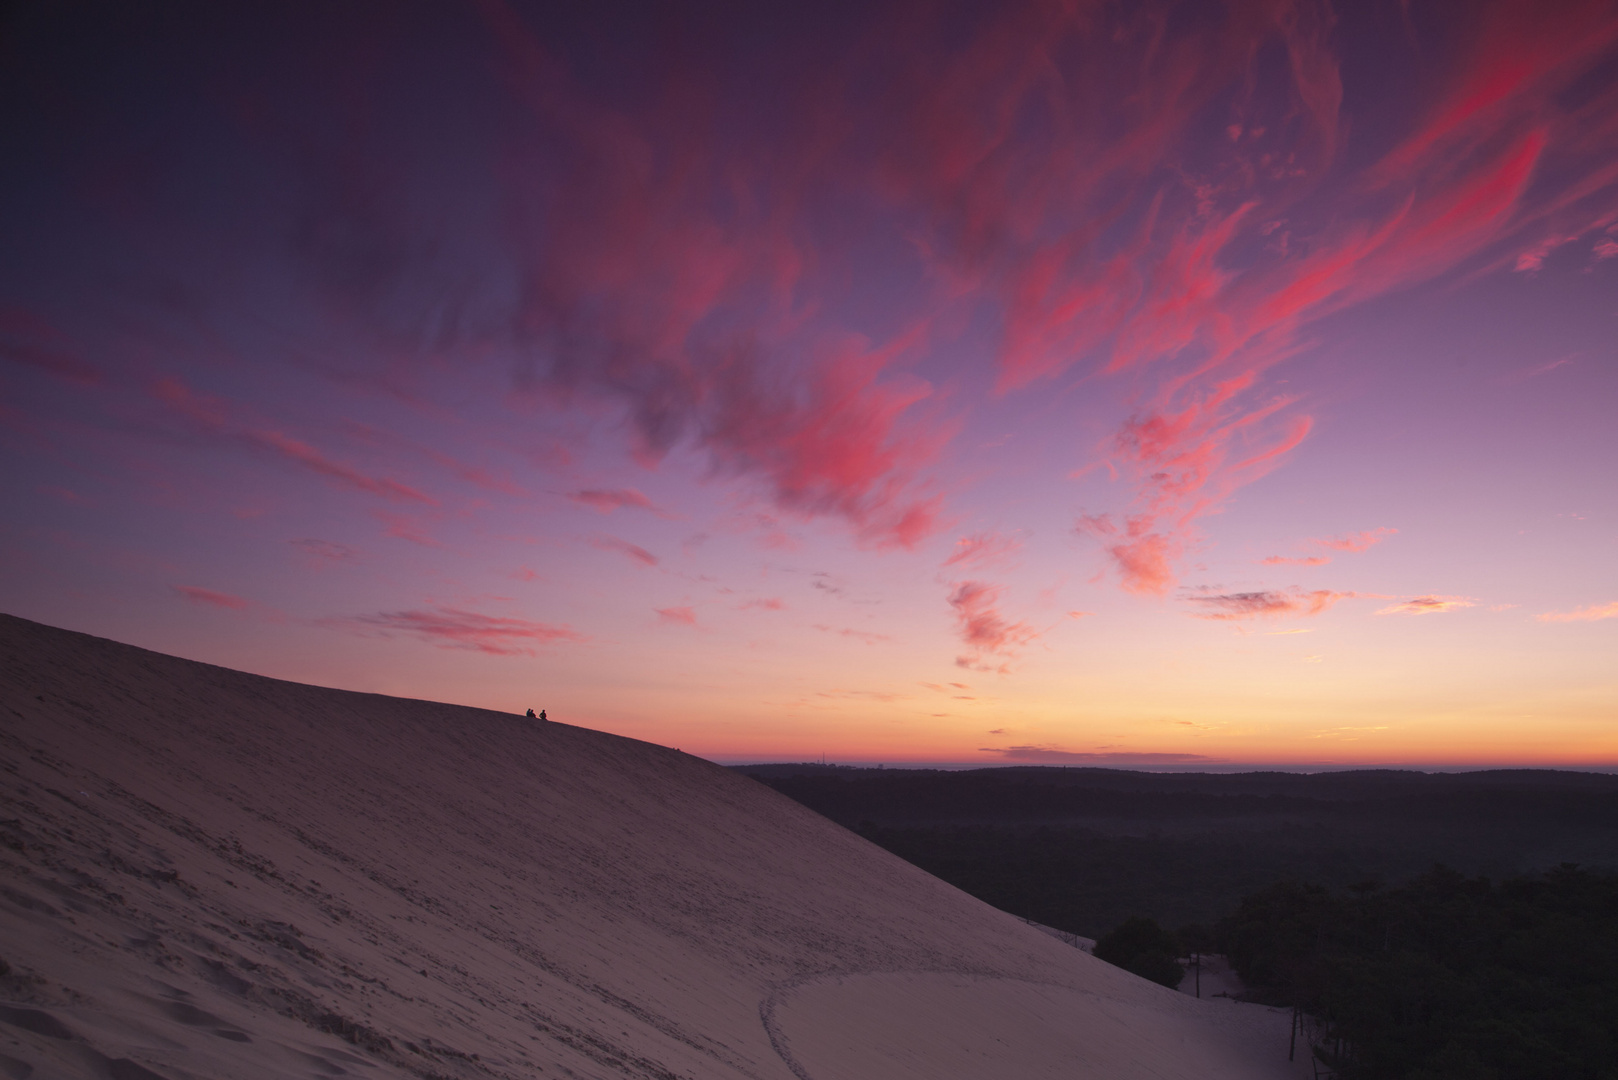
(1165, 385)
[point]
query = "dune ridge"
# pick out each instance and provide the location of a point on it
(206, 873)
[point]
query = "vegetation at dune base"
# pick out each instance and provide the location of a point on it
(1141, 946)
(1446, 977)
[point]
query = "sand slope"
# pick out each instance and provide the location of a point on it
(205, 873)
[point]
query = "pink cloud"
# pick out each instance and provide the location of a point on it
(63, 494)
(1427, 605)
(984, 551)
(310, 458)
(1532, 260)
(400, 527)
(1143, 557)
(202, 409)
(1353, 542)
(858, 635)
(1359, 541)
(1105, 194)
(1593, 613)
(606, 501)
(451, 628)
(634, 551)
(624, 272)
(215, 599)
(472, 474)
(213, 415)
(324, 551)
(1015, 220)
(27, 339)
(985, 631)
(1543, 369)
(1268, 603)
(476, 475)
(1112, 757)
(766, 604)
(680, 616)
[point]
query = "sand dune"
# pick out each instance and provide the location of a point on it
(205, 873)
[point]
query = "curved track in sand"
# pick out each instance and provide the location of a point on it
(920, 1025)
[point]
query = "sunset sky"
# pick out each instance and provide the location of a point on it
(1148, 384)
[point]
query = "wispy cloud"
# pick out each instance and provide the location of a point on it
(1266, 603)
(1359, 541)
(984, 551)
(678, 616)
(1532, 259)
(400, 527)
(62, 494)
(324, 551)
(303, 454)
(1593, 613)
(215, 416)
(211, 598)
(1427, 605)
(866, 636)
(452, 628)
(985, 631)
(1540, 369)
(1352, 542)
(1346, 734)
(860, 695)
(1143, 557)
(475, 475)
(608, 500)
(1110, 757)
(28, 339)
(612, 543)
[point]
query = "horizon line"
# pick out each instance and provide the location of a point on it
(736, 761)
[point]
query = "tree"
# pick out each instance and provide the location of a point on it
(1142, 947)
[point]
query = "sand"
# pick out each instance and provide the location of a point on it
(205, 873)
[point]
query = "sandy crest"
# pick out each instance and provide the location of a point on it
(205, 873)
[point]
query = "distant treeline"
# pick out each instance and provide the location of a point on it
(1084, 849)
(1444, 978)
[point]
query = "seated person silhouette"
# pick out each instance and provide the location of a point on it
(531, 714)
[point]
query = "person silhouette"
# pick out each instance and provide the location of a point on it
(531, 714)
(542, 714)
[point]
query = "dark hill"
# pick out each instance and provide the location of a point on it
(1085, 848)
